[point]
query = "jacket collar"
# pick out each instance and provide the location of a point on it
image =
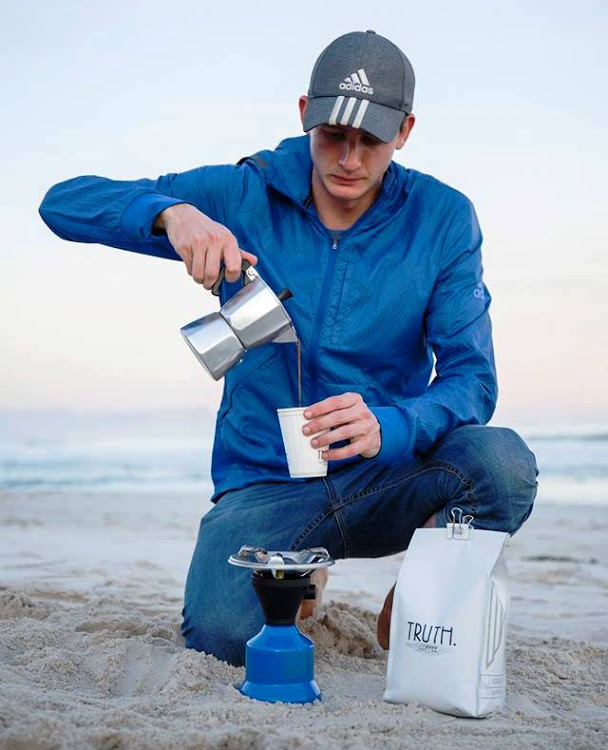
(288, 170)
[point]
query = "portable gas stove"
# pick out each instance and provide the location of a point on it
(279, 662)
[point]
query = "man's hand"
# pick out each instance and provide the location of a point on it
(202, 244)
(351, 419)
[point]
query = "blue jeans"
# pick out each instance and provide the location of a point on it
(361, 510)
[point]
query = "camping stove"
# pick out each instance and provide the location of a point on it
(279, 662)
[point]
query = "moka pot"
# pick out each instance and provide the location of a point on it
(253, 316)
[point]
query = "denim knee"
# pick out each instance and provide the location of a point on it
(221, 613)
(498, 476)
(224, 640)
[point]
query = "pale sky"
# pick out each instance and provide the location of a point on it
(511, 110)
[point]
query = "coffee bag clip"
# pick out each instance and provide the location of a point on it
(461, 525)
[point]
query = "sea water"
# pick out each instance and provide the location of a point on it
(62, 451)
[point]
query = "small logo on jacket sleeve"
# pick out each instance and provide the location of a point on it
(479, 291)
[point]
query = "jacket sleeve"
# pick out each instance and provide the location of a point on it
(122, 213)
(458, 329)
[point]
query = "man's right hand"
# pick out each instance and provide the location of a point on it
(202, 244)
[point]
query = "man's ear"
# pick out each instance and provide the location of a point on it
(303, 103)
(406, 128)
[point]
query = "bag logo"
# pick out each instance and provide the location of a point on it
(357, 82)
(429, 639)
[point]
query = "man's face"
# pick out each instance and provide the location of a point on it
(349, 163)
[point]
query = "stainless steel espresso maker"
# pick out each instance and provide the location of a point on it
(253, 316)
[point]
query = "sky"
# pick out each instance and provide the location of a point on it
(510, 110)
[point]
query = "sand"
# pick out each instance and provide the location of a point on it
(91, 654)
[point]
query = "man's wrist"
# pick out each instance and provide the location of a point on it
(159, 221)
(397, 439)
(370, 456)
(138, 220)
(163, 218)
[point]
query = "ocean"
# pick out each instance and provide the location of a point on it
(64, 451)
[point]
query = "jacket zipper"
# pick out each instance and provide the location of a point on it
(312, 368)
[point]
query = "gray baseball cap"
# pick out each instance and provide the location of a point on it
(362, 80)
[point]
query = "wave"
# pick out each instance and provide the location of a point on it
(592, 437)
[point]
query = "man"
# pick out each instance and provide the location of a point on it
(385, 267)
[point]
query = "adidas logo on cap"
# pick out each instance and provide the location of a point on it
(357, 82)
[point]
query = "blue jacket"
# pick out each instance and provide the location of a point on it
(404, 283)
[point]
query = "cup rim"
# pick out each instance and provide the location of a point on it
(291, 410)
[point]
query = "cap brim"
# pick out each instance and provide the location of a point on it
(382, 122)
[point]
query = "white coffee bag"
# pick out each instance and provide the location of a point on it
(448, 625)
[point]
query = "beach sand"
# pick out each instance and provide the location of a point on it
(91, 654)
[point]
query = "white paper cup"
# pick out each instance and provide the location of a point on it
(302, 459)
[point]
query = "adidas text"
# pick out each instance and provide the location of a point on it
(357, 87)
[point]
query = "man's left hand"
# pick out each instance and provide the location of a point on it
(351, 419)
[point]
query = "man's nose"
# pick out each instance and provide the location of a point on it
(350, 159)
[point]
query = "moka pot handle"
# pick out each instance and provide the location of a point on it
(215, 289)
